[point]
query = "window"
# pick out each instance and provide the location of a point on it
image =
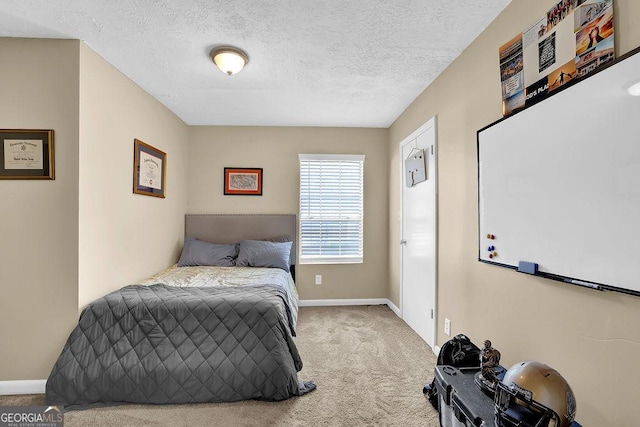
(331, 195)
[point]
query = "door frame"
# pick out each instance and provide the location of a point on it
(432, 122)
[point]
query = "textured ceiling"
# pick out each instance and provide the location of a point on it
(355, 63)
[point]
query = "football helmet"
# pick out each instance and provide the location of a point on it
(532, 394)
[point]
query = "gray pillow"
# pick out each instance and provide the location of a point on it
(197, 252)
(259, 253)
(279, 239)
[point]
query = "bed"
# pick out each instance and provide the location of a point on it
(217, 327)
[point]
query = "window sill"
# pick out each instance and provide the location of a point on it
(330, 261)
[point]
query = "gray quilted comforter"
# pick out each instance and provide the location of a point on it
(166, 344)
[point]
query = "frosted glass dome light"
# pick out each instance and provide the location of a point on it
(230, 60)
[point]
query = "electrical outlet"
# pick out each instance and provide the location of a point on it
(447, 327)
(318, 279)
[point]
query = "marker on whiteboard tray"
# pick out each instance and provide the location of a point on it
(583, 283)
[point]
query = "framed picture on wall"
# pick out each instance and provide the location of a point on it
(26, 154)
(149, 170)
(243, 181)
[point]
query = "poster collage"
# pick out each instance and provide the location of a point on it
(573, 39)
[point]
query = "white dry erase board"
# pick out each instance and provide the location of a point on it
(559, 183)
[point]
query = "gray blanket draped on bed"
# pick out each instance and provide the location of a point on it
(164, 344)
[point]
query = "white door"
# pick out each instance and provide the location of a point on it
(418, 241)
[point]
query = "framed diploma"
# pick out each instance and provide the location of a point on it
(26, 154)
(243, 181)
(149, 169)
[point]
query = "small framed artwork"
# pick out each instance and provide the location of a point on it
(149, 169)
(26, 154)
(243, 181)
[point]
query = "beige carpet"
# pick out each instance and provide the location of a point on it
(368, 364)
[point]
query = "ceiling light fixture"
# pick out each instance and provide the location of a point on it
(634, 90)
(229, 59)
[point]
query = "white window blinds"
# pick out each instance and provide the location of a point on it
(331, 200)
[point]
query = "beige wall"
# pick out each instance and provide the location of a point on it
(55, 232)
(73, 239)
(124, 237)
(39, 218)
(276, 150)
(592, 338)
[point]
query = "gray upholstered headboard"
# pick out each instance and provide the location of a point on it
(231, 228)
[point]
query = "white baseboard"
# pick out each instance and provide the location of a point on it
(394, 308)
(338, 302)
(22, 387)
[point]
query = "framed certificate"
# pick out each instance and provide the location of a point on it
(149, 169)
(26, 154)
